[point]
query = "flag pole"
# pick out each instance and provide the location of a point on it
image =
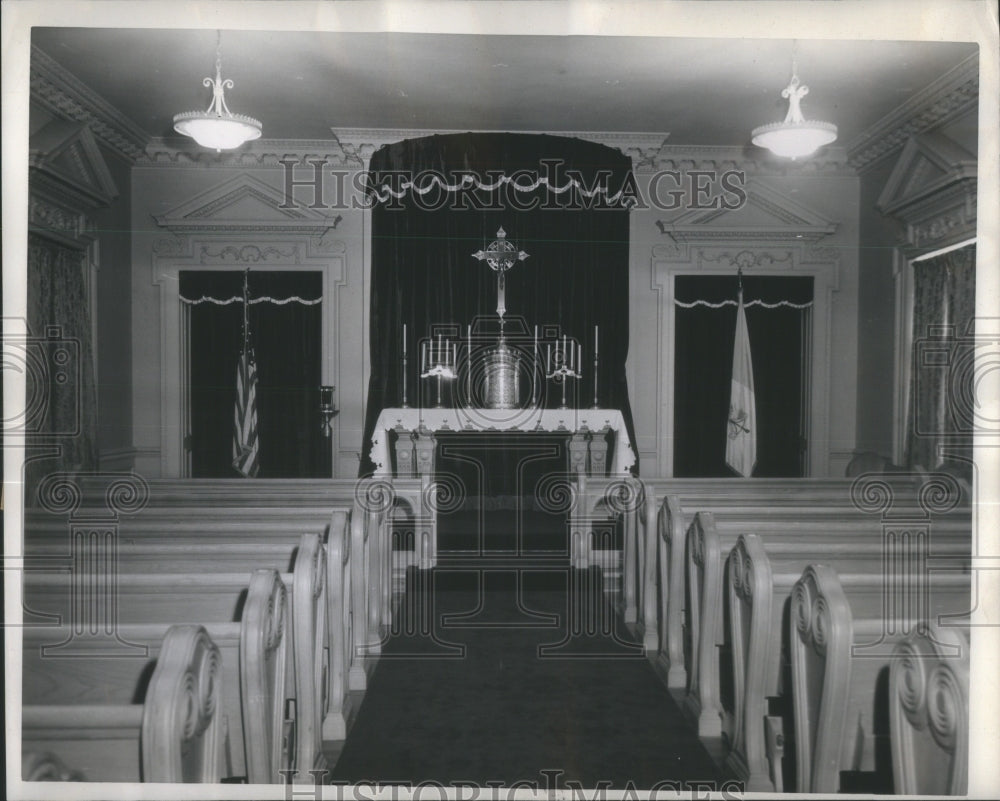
(246, 303)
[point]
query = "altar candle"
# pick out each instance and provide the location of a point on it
(423, 357)
(564, 350)
(548, 358)
(536, 342)
(404, 339)
(579, 356)
(595, 341)
(440, 351)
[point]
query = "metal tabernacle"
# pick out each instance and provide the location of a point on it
(501, 381)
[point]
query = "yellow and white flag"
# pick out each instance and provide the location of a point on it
(741, 445)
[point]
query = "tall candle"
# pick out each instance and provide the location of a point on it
(440, 351)
(595, 341)
(579, 356)
(564, 349)
(404, 339)
(548, 358)
(423, 357)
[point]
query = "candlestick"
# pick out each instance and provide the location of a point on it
(596, 404)
(405, 404)
(534, 371)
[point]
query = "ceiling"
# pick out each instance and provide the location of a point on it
(302, 84)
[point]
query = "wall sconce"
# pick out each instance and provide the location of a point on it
(326, 407)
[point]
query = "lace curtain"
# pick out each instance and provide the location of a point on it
(944, 305)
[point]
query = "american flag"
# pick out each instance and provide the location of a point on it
(246, 457)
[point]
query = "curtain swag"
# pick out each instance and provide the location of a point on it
(252, 301)
(746, 304)
(469, 181)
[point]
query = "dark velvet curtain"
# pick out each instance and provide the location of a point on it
(944, 309)
(703, 369)
(424, 275)
(287, 342)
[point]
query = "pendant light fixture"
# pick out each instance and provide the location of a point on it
(796, 136)
(217, 128)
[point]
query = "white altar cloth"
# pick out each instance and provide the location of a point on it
(523, 420)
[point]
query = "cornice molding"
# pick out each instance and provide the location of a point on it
(55, 89)
(262, 153)
(354, 147)
(947, 98)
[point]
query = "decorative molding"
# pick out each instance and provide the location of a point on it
(932, 192)
(54, 221)
(792, 220)
(55, 89)
(953, 94)
(263, 210)
(261, 153)
(68, 154)
(248, 254)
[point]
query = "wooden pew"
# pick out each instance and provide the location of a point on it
(929, 712)
(760, 576)
(167, 551)
(672, 530)
(175, 736)
(857, 549)
(166, 598)
(841, 649)
(253, 654)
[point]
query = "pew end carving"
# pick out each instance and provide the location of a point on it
(182, 727)
(929, 713)
(264, 662)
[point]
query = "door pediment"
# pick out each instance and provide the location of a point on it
(765, 215)
(245, 203)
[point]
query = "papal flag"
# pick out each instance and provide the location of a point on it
(741, 444)
(246, 458)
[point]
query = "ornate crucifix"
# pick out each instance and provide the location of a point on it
(501, 255)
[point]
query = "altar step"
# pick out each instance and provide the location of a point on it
(608, 562)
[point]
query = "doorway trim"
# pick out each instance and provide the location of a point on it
(232, 226)
(821, 264)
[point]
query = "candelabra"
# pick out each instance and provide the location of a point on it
(438, 361)
(568, 361)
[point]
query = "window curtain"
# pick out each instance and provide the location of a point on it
(59, 369)
(941, 376)
(286, 339)
(424, 274)
(703, 362)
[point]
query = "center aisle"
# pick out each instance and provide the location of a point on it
(510, 674)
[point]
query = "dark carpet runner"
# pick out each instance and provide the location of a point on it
(517, 673)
